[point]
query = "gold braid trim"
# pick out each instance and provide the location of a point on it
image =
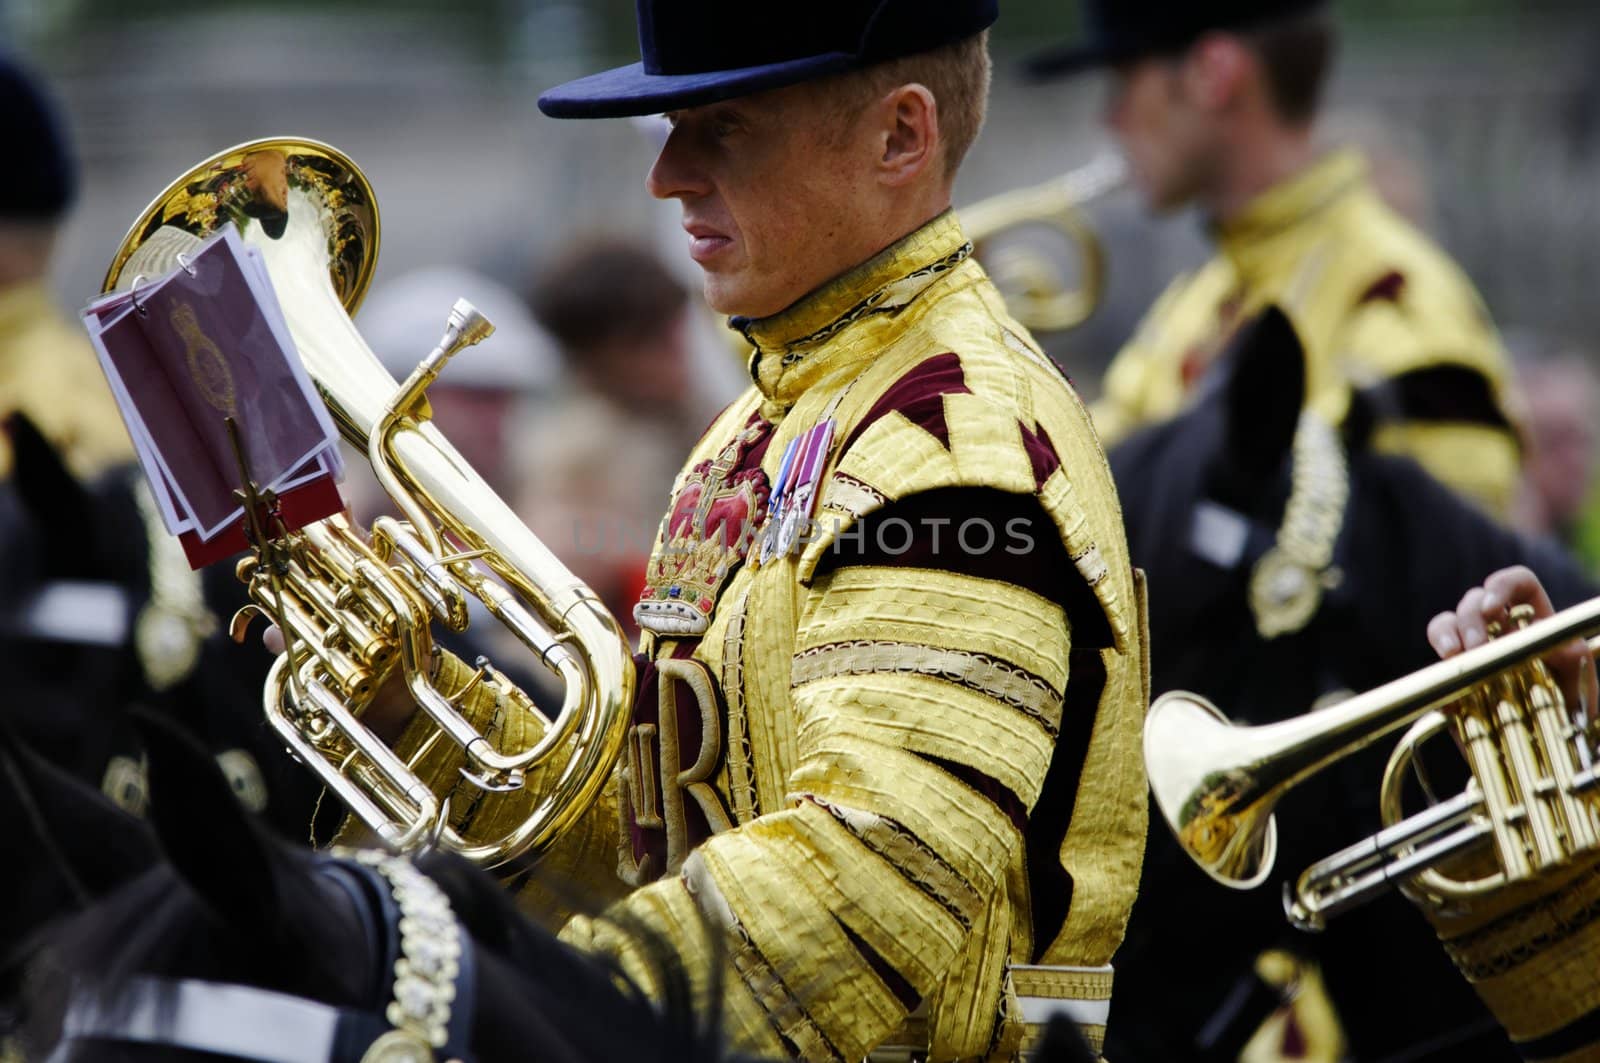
(965, 1010)
(910, 856)
(1062, 983)
(740, 753)
(783, 1009)
(1534, 966)
(850, 495)
(1059, 497)
(1287, 583)
(983, 674)
(1519, 936)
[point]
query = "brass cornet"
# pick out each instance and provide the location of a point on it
(1533, 802)
(1035, 290)
(353, 610)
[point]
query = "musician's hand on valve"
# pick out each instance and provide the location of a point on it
(1467, 627)
(391, 708)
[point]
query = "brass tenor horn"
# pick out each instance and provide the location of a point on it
(1532, 800)
(1035, 290)
(354, 610)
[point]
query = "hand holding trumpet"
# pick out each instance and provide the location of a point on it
(1490, 605)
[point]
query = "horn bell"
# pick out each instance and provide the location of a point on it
(356, 610)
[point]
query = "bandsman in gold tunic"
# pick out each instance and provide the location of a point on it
(886, 746)
(1214, 105)
(47, 369)
(1531, 950)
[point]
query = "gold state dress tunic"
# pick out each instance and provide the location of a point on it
(895, 768)
(48, 372)
(1374, 302)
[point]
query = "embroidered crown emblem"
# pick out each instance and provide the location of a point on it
(713, 522)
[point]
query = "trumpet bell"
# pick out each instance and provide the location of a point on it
(1533, 804)
(1039, 293)
(1208, 799)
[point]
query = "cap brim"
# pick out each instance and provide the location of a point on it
(630, 91)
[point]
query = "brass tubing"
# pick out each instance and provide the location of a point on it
(1523, 764)
(365, 642)
(352, 677)
(1360, 872)
(378, 820)
(1216, 784)
(1558, 733)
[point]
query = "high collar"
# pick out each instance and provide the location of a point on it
(1286, 206)
(792, 349)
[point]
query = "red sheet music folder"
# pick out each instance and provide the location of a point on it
(297, 507)
(192, 349)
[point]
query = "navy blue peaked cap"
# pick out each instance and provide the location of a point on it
(701, 51)
(1124, 30)
(39, 178)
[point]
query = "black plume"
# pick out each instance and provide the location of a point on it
(60, 505)
(1266, 382)
(1062, 1043)
(213, 843)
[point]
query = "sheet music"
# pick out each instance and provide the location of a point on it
(198, 344)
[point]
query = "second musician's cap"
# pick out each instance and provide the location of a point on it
(1124, 30)
(697, 52)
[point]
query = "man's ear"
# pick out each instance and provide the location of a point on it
(910, 135)
(1214, 69)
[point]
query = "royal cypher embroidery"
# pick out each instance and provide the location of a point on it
(715, 517)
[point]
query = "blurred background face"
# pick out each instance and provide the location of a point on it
(1168, 141)
(1559, 461)
(648, 371)
(475, 422)
(774, 197)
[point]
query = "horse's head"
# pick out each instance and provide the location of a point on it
(66, 844)
(1206, 497)
(100, 610)
(243, 947)
(75, 539)
(70, 596)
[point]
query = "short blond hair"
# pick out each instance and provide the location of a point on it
(957, 75)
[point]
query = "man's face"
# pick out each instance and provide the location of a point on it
(775, 195)
(1560, 459)
(1170, 143)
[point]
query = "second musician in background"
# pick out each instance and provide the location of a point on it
(1215, 106)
